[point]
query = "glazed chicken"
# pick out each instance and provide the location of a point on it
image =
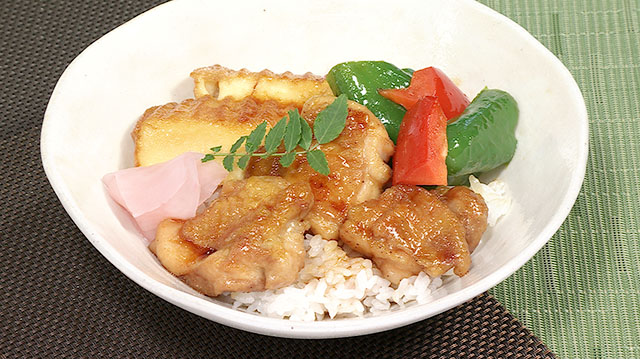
(357, 161)
(469, 207)
(409, 229)
(250, 238)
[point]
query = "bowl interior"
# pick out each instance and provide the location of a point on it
(147, 62)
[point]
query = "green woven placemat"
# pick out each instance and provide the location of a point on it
(581, 293)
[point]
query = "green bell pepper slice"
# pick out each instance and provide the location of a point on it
(360, 81)
(480, 139)
(483, 136)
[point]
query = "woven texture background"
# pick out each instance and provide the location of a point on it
(581, 292)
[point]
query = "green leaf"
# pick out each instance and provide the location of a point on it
(331, 121)
(243, 161)
(275, 136)
(287, 159)
(237, 144)
(227, 162)
(255, 138)
(292, 132)
(318, 161)
(305, 134)
(208, 157)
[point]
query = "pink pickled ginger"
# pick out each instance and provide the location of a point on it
(172, 189)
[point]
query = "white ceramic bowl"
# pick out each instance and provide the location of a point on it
(147, 61)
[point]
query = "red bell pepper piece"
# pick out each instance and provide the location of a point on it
(421, 150)
(430, 82)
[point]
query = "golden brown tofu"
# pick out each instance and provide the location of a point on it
(249, 239)
(165, 132)
(357, 161)
(287, 88)
(407, 230)
(228, 104)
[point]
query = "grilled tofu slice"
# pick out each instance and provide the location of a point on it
(287, 88)
(228, 104)
(165, 132)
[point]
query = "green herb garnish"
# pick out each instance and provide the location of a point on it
(291, 132)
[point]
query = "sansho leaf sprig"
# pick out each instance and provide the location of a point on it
(291, 133)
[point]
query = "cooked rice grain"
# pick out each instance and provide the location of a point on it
(335, 284)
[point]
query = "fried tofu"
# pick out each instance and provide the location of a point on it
(165, 132)
(287, 88)
(228, 104)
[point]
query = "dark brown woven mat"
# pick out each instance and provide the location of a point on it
(60, 297)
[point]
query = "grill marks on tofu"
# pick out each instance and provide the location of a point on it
(287, 88)
(407, 230)
(257, 246)
(357, 161)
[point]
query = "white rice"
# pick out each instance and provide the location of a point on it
(335, 283)
(496, 195)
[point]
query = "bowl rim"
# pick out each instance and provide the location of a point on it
(329, 328)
